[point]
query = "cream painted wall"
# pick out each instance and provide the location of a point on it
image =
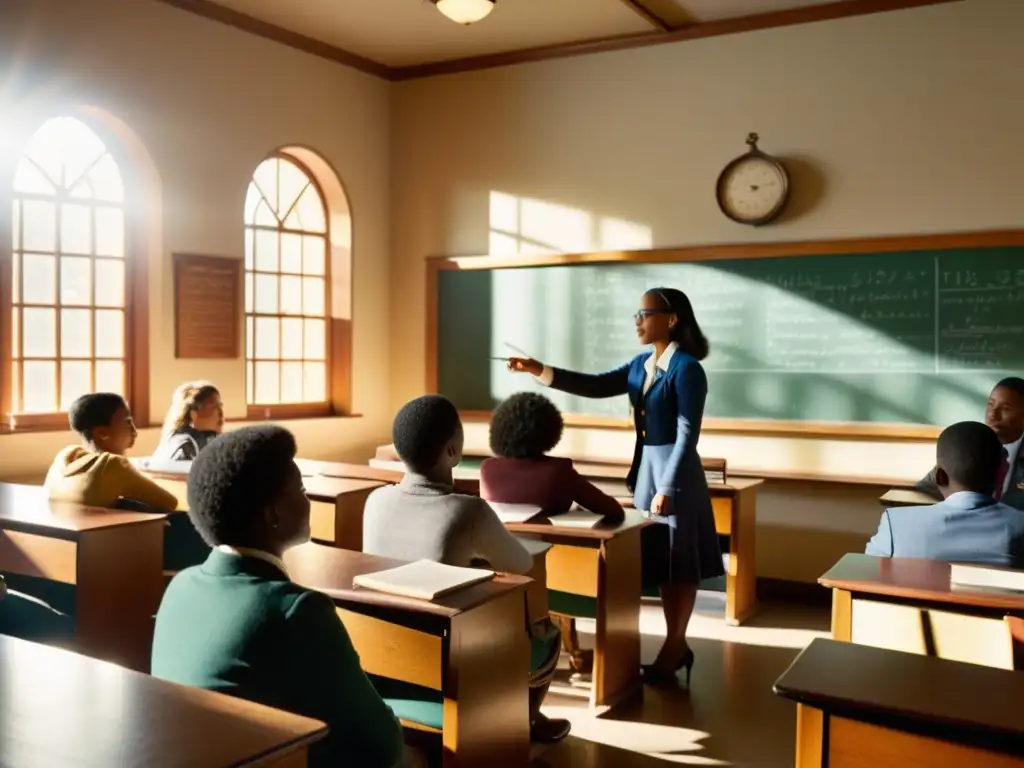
(896, 123)
(208, 103)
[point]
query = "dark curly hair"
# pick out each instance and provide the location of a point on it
(525, 426)
(422, 429)
(93, 411)
(234, 477)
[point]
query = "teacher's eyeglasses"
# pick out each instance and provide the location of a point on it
(643, 314)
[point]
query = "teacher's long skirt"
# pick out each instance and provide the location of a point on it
(683, 547)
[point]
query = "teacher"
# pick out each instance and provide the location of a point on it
(667, 389)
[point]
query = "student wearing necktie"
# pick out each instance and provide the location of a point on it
(968, 525)
(1004, 414)
(667, 389)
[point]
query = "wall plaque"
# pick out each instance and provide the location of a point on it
(207, 306)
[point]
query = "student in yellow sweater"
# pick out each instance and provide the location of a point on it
(97, 473)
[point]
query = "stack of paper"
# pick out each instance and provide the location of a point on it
(423, 579)
(986, 576)
(577, 517)
(515, 513)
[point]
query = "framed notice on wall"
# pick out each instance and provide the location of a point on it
(207, 306)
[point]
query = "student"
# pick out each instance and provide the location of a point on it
(238, 625)
(524, 427)
(423, 518)
(97, 473)
(195, 417)
(969, 526)
(1005, 415)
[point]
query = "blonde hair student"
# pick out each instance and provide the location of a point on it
(195, 417)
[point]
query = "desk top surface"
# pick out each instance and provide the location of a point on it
(849, 679)
(601, 531)
(911, 578)
(60, 708)
(322, 487)
(27, 508)
(902, 497)
(331, 570)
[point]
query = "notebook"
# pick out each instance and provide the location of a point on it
(986, 576)
(515, 513)
(423, 579)
(577, 517)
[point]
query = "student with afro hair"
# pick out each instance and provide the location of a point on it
(238, 625)
(524, 428)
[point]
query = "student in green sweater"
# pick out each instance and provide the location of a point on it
(238, 625)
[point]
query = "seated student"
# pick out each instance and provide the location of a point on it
(195, 417)
(238, 625)
(422, 518)
(969, 526)
(524, 427)
(98, 474)
(1005, 415)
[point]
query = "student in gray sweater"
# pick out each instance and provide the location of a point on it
(422, 518)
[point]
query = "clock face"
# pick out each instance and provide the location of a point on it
(753, 189)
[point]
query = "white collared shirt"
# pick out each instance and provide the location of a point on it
(650, 365)
(259, 554)
(1012, 451)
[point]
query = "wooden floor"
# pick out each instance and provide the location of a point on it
(729, 718)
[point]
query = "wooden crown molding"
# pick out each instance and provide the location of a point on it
(663, 15)
(668, 30)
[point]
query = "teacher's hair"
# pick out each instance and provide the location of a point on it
(686, 332)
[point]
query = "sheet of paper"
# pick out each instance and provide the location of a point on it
(534, 546)
(983, 576)
(422, 579)
(577, 517)
(514, 513)
(149, 464)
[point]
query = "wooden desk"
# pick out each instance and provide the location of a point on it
(734, 504)
(601, 565)
(61, 709)
(906, 604)
(472, 646)
(861, 706)
(903, 497)
(113, 559)
(337, 504)
(336, 516)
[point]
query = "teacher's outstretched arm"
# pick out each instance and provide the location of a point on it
(595, 385)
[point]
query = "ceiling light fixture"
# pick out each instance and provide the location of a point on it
(465, 11)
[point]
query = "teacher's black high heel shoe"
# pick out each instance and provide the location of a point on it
(655, 675)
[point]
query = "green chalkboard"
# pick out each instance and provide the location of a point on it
(916, 337)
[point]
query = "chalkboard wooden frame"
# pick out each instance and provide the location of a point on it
(809, 429)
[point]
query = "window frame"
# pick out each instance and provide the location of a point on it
(303, 410)
(136, 308)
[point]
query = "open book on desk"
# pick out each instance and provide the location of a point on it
(515, 513)
(423, 579)
(576, 517)
(986, 576)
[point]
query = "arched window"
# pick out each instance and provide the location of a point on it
(287, 301)
(68, 284)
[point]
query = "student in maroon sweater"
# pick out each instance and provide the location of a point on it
(523, 429)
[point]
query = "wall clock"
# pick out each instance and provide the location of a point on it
(754, 187)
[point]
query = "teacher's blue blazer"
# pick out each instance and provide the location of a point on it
(667, 420)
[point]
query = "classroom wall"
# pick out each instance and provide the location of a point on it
(207, 103)
(898, 123)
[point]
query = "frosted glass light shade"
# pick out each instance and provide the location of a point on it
(465, 11)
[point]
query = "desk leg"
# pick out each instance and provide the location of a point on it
(741, 581)
(617, 644)
(348, 520)
(118, 589)
(486, 691)
(810, 737)
(842, 615)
